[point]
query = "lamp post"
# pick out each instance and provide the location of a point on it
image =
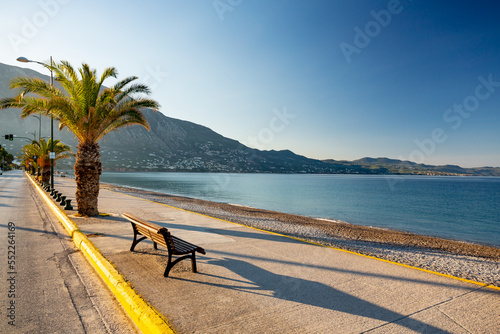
(51, 154)
(34, 135)
(39, 126)
(19, 137)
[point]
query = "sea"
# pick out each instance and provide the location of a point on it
(461, 208)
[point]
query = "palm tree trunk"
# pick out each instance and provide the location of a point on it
(87, 171)
(45, 171)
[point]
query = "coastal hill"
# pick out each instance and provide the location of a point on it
(177, 145)
(394, 166)
(171, 145)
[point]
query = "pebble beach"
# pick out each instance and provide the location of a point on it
(476, 262)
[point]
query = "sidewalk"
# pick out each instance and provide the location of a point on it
(254, 282)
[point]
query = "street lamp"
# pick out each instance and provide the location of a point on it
(51, 154)
(34, 135)
(39, 126)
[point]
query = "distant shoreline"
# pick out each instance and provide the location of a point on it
(69, 173)
(363, 166)
(474, 261)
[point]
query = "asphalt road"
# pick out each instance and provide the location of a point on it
(46, 285)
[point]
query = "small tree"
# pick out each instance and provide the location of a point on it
(6, 158)
(41, 149)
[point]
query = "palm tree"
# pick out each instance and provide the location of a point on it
(41, 150)
(25, 161)
(29, 158)
(89, 110)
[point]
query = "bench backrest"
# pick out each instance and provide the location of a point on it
(155, 232)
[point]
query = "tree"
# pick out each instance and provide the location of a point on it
(25, 161)
(41, 150)
(89, 110)
(5, 159)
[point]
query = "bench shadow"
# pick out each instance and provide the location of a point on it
(352, 272)
(236, 232)
(256, 279)
(86, 223)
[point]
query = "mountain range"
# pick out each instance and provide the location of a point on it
(177, 145)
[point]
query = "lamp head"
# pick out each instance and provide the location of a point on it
(23, 60)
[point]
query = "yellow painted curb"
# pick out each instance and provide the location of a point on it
(317, 244)
(144, 315)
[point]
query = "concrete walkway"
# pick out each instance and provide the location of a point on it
(257, 282)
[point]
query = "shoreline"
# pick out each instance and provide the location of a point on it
(473, 261)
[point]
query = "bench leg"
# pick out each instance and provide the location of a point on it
(193, 262)
(135, 242)
(171, 263)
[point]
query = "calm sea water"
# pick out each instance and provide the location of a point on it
(466, 208)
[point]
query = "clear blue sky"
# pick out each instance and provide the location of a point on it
(414, 80)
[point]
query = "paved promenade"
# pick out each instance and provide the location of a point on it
(252, 281)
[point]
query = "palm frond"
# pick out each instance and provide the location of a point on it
(83, 105)
(122, 83)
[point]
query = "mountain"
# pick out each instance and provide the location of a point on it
(394, 166)
(171, 144)
(177, 145)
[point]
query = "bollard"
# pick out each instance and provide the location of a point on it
(55, 194)
(58, 199)
(63, 200)
(52, 192)
(68, 205)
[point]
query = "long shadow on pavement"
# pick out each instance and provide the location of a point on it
(312, 293)
(352, 272)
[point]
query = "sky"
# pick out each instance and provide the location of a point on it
(409, 80)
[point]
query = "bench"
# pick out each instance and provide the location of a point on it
(161, 236)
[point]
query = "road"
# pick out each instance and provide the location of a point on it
(46, 285)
